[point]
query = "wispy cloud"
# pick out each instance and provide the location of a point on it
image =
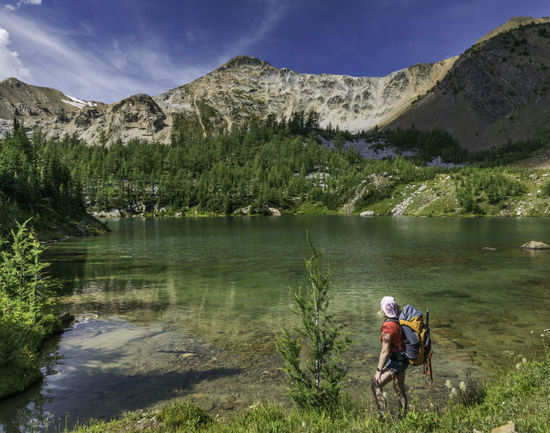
(12, 7)
(54, 57)
(10, 63)
(274, 12)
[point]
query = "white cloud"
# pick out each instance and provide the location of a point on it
(57, 62)
(10, 63)
(12, 8)
(111, 72)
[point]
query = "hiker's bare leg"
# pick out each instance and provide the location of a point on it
(377, 386)
(399, 386)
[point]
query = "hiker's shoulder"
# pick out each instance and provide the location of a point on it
(390, 327)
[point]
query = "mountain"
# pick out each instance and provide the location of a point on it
(246, 86)
(242, 88)
(496, 91)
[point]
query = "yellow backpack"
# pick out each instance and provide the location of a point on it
(416, 334)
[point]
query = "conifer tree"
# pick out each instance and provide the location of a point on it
(312, 352)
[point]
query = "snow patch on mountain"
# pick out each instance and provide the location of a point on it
(78, 103)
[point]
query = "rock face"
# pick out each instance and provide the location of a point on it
(496, 91)
(246, 86)
(136, 117)
(536, 245)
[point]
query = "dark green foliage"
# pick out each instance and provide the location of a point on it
(264, 164)
(507, 154)
(545, 190)
(27, 315)
(430, 144)
(427, 144)
(311, 353)
(34, 181)
(261, 165)
(480, 185)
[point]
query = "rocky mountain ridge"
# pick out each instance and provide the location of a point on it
(472, 96)
(497, 91)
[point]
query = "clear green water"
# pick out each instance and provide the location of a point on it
(188, 307)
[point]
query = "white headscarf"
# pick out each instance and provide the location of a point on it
(389, 307)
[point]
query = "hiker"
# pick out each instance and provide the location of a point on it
(392, 362)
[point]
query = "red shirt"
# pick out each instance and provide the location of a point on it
(396, 337)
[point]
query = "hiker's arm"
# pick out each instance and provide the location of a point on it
(384, 353)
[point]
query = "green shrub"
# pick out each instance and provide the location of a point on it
(27, 313)
(315, 383)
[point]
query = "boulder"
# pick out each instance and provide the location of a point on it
(273, 211)
(536, 245)
(367, 213)
(244, 210)
(110, 214)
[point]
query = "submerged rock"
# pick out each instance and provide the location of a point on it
(535, 245)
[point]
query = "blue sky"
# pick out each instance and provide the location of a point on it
(109, 49)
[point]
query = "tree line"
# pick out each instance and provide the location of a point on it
(34, 181)
(262, 164)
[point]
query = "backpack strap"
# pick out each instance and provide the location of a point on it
(415, 324)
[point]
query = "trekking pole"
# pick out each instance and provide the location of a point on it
(428, 357)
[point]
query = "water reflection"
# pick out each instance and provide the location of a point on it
(107, 367)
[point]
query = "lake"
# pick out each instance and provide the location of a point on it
(170, 308)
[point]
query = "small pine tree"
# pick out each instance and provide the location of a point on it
(312, 353)
(22, 272)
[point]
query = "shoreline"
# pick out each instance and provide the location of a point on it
(518, 396)
(334, 214)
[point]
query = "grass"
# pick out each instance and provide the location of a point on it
(440, 197)
(521, 395)
(314, 208)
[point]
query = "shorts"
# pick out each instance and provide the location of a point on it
(396, 363)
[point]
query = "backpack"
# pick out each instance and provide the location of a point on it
(417, 335)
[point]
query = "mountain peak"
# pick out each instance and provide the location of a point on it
(513, 23)
(12, 82)
(243, 60)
